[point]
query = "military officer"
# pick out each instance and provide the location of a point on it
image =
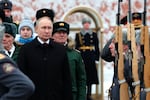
(77, 68)
(8, 40)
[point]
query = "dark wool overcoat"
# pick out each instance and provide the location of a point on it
(48, 68)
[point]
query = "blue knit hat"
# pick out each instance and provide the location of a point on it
(26, 22)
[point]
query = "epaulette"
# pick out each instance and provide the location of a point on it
(77, 50)
(2, 56)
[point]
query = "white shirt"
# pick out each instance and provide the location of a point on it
(42, 41)
(12, 50)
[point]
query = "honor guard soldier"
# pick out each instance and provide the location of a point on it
(88, 44)
(108, 53)
(14, 85)
(137, 21)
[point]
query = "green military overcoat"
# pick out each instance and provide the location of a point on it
(78, 74)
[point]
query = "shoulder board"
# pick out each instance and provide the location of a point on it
(77, 50)
(2, 56)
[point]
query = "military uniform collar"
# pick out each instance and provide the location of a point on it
(84, 32)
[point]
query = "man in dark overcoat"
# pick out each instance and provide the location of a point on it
(46, 62)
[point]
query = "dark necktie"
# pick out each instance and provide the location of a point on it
(9, 52)
(45, 45)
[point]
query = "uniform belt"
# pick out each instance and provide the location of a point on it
(86, 48)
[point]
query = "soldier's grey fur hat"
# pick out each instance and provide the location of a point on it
(84, 20)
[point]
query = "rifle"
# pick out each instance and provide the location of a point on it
(145, 45)
(123, 90)
(114, 91)
(133, 52)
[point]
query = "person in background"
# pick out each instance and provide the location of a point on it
(88, 44)
(8, 40)
(26, 32)
(14, 85)
(6, 6)
(2, 16)
(46, 62)
(77, 68)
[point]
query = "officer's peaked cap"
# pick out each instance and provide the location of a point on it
(135, 15)
(61, 26)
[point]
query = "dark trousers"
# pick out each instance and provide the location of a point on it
(89, 89)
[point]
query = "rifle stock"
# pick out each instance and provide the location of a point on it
(124, 94)
(147, 63)
(135, 75)
(123, 90)
(145, 43)
(133, 48)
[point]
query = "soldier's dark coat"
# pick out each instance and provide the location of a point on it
(106, 53)
(89, 56)
(48, 68)
(14, 85)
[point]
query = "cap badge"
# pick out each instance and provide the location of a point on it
(44, 11)
(135, 15)
(6, 4)
(61, 24)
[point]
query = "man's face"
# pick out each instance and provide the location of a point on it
(7, 12)
(44, 28)
(60, 37)
(86, 25)
(8, 41)
(112, 47)
(137, 22)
